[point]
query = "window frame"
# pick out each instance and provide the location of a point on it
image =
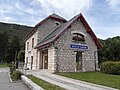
(33, 40)
(77, 37)
(27, 45)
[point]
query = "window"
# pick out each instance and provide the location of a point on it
(32, 42)
(31, 62)
(78, 37)
(79, 60)
(26, 60)
(57, 24)
(27, 45)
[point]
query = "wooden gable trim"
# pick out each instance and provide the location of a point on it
(90, 31)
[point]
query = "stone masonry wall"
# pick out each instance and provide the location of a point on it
(66, 58)
(31, 52)
(52, 67)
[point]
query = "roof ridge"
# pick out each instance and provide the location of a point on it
(57, 16)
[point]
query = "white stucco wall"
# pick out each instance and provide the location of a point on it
(31, 52)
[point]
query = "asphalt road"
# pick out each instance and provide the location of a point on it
(5, 83)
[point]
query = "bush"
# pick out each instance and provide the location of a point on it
(110, 67)
(16, 75)
(12, 67)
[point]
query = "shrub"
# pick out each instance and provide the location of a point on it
(12, 68)
(16, 75)
(110, 67)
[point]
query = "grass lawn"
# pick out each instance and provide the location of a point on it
(43, 84)
(3, 65)
(95, 77)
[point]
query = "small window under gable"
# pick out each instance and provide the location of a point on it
(78, 36)
(57, 24)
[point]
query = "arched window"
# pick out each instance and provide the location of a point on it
(57, 24)
(78, 36)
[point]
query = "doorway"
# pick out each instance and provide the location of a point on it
(78, 60)
(31, 62)
(45, 59)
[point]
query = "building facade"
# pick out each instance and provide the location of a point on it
(62, 46)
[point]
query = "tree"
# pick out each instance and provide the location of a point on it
(110, 50)
(3, 46)
(21, 56)
(13, 50)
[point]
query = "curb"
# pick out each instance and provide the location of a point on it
(10, 77)
(30, 83)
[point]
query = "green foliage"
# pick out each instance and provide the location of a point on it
(21, 56)
(16, 75)
(110, 67)
(15, 30)
(11, 41)
(3, 65)
(12, 67)
(110, 50)
(13, 50)
(3, 46)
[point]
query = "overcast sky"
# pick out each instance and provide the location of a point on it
(103, 16)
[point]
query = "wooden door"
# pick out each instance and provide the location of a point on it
(31, 62)
(45, 57)
(79, 60)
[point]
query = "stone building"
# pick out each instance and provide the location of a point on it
(62, 46)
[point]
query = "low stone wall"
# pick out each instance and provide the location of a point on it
(30, 83)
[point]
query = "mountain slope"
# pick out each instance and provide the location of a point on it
(14, 30)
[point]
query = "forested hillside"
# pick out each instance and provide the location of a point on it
(12, 41)
(14, 30)
(110, 49)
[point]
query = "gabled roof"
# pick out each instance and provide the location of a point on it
(57, 17)
(59, 31)
(54, 16)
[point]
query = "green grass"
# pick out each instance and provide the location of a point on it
(43, 84)
(96, 77)
(3, 65)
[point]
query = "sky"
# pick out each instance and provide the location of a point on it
(103, 16)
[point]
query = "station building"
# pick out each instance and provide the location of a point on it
(62, 46)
